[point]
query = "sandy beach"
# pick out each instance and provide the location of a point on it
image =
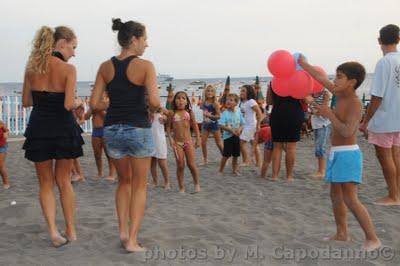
(241, 220)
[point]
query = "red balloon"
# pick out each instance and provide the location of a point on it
(300, 84)
(264, 134)
(281, 64)
(318, 87)
(280, 86)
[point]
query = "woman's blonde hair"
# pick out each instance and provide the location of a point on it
(204, 93)
(43, 45)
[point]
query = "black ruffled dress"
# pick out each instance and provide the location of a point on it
(52, 131)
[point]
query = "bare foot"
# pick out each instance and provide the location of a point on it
(6, 186)
(245, 164)
(386, 201)
(274, 178)
(77, 178)
(236, 173)
(134, 247)
(99, 175)
(155, 184)
(318, 175)
(58, 241)
(370, 245)
(167, 186)
(220, 173)
(204, 162)
(71, 236)
(336, 238)
(197, 188)
(290, 178)
(182, 190)
(111, 178)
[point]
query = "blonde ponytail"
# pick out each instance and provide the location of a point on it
(42, 47)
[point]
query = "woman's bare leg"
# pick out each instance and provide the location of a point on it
(290, 159)
(123, 196)
(140, 170)
(97, 144)
(67, 195)
(44, 171)
(276, 160)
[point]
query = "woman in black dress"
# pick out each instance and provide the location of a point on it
(53, 138)
(286, 119)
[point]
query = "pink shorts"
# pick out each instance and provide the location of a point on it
(384, 140)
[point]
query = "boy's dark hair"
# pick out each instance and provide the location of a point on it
(251, 93)
(188, 106)
(234, 96)
(389, 34)
(353, 70)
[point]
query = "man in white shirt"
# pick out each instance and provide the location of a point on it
(382, 120)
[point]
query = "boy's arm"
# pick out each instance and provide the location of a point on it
(88, 114)
(315, 74)
(345, 128)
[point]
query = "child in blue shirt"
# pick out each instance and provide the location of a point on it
(231, 122)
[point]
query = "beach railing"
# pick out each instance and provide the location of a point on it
(16, 117)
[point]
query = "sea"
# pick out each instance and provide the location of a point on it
(192, 86)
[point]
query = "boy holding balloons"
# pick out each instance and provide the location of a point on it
(344, 169)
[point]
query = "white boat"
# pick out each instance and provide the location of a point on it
(164, 78)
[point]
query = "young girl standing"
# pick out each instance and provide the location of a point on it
(160, 142)
(182, 118)
(3, 153)
(211, 114)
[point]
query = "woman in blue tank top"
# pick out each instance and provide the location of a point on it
(131, 85)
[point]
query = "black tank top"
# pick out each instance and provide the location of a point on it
(128, 101)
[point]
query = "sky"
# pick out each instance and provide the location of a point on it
(203, 39)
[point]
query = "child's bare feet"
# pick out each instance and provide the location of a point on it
(6, 186)
(386, 201)
(274, 178)
(204, 162)
(245, 164)
(182, 190)
(220, 173)
(58, 241)
(167, 186)
(370, 245)
(336, 237)
(197, 188)
(290, 178)
(318, 175)
(236, 173)
(111, 178)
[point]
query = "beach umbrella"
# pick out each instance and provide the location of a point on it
(222, 99)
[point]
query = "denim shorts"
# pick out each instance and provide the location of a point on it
(124, 140)
(3, 149)
(321, 140)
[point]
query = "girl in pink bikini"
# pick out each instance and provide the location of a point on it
(182, 118)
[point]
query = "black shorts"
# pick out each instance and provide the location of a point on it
(231, 147)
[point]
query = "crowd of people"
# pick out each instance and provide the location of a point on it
(134, 130)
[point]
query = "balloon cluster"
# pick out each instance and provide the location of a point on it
(289, 78)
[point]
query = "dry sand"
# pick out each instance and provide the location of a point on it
(224, 224)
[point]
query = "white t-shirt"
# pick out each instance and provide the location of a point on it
(248, 113)
(386, 85)
(159, 139)
(318, 121)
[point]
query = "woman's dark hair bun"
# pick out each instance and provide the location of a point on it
(116, 24)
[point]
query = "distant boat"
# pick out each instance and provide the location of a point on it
(197, 82)
(164, 78)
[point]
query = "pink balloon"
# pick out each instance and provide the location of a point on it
(300, 84)
(280, 86)
(281, 64)
(318, 87)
